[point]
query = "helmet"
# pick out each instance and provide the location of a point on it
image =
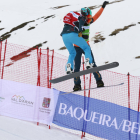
(89, 11)
(86, 11)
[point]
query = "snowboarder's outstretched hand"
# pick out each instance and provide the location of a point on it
(104, 4)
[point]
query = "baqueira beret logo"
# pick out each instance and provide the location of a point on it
(21, 100)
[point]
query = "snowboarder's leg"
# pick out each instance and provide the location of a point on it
(77, 80)
(97, 75)
(71, 49)
(83, 45)
(77, 61)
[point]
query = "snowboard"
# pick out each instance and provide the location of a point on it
(87, 71)
(92, 89)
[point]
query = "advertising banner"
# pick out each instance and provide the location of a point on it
(97, 117)
(27, 102)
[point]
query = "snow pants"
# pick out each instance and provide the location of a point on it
(72, 38)
(77, 60)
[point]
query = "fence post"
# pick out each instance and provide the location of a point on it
(4, 59)
(89, 85)
(88, 99)
(138, 108)
(39, 62)
(139, 97)
(37, 66)
(51, 67)
(84, 77)
(48, 85)
(48, 67)
(129, 101)
(128, 90)
(83, 133)
(0, 54)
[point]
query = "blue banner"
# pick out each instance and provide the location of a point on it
(96, 117)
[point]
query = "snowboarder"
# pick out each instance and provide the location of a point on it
(79, 51)
(72, 34)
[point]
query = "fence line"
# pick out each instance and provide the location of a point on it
(38, 66)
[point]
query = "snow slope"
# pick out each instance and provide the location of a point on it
(46, 18)
(12, 129)
(116, 15)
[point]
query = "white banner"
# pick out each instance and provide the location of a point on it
(27, 102)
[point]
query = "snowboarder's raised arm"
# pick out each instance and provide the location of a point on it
(97, 15)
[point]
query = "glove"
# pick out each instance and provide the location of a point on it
(80, 34)
(83, 29)
(104, 4)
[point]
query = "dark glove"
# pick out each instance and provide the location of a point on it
(83, 29)
(80, 34)
(104, 4)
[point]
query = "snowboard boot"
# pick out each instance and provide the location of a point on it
(100, 83)
(88, 65)
(77, 87)
(68, 69)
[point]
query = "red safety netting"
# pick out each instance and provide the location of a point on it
(37, 66)
(20, 63)
(126, 95)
